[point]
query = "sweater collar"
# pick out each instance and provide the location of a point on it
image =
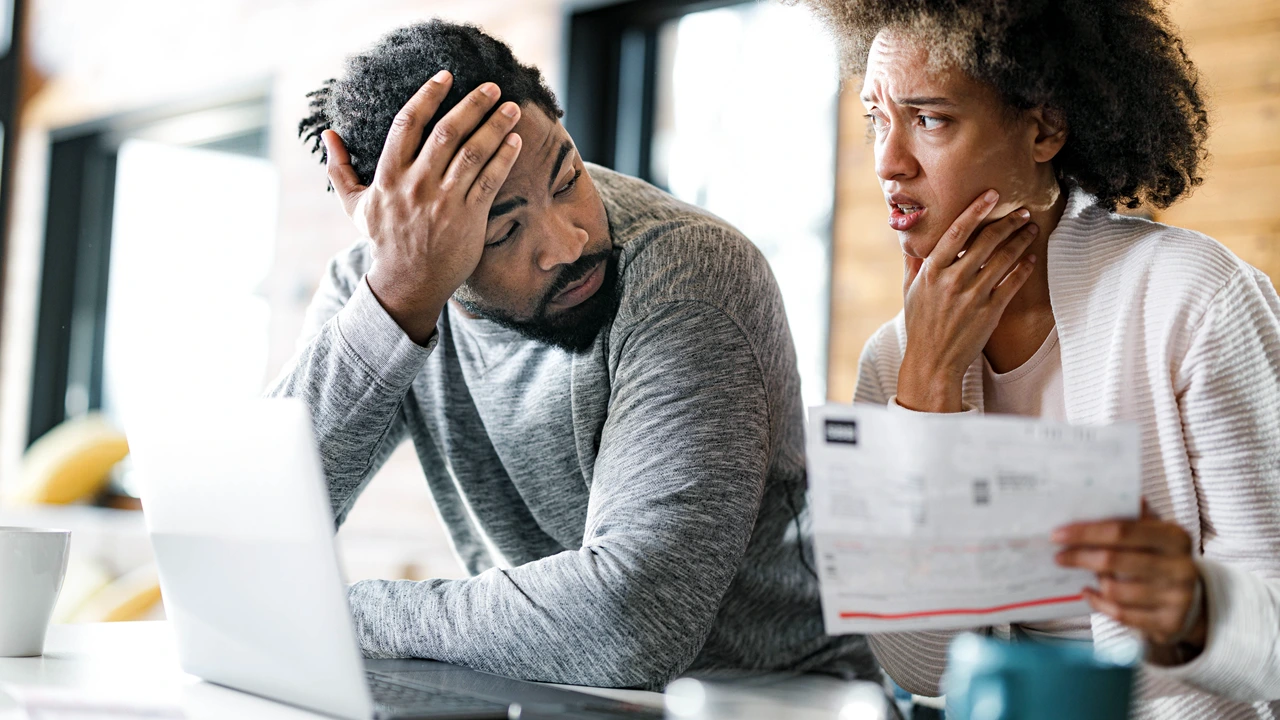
(1089, 267)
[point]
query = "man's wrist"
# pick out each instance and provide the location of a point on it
(416, 315)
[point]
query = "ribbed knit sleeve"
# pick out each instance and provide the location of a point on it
(1229, 399)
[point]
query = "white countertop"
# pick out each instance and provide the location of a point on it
(137, 663)
(134, 666)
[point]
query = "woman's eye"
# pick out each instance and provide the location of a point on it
(929, 122)
(510, 234)
(875, 126)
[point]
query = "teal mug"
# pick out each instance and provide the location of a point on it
(991, 680)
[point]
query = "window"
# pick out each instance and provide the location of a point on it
(185, 319)
(730, 106)
(159, 230)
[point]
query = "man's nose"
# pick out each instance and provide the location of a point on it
(563, 245)
(895, 159)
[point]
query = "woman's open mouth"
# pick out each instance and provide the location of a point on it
(903, 217)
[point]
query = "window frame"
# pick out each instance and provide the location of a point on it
(611, 87)
(611, 82)
(11, 50)
(76, 262)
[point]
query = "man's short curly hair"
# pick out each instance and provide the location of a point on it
(1116, 70)
(361, 104)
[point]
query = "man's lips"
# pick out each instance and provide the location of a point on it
(579, 291)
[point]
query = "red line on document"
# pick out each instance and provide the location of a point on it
(962, 611)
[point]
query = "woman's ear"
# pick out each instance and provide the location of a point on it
(1051, 133)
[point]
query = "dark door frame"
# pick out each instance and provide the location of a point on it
(611, 80)
(11, 49)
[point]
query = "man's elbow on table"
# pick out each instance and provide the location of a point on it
(646, 659)
(619, 642)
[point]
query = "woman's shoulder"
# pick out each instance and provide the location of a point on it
(1166, 263)
(1183, 250)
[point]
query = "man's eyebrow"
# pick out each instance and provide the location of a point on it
(555, 169)
(506, 206)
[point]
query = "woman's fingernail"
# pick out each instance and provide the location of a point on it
(1024, 213)
(510, 109)
(991, 196)
(490, 90)
(1057, 535)
(1033, 229)
(440, 76)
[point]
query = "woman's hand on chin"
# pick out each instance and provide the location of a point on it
(953, 302)
(1147, 581)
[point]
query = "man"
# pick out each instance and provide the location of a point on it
(598, 380)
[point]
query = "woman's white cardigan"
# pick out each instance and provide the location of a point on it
(1166, 328)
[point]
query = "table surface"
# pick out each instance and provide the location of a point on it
(139, 661)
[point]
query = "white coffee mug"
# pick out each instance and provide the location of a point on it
(32, 565)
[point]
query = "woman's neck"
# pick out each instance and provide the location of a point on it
(1029, 318)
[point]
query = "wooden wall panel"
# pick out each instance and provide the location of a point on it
(866, 278)
(1224, 18)
(1236, 45)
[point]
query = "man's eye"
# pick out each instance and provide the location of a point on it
(569, 185)
(510, 234)
(875, 122)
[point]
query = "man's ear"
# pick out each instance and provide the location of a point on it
(1051, 133)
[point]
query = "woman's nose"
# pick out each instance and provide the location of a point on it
(894, 158)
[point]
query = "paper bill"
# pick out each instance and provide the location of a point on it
(926, 522)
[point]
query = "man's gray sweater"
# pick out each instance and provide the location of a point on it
(627, 514)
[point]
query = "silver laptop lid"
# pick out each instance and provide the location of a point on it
(239, 517)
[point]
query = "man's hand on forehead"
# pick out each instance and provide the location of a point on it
(426, 210)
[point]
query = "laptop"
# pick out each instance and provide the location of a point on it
(238, 514)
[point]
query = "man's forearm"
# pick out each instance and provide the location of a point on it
(353, 375)
(585, 617)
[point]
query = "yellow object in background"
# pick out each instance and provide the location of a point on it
(85, 578)
(70, 462)
(134, 596)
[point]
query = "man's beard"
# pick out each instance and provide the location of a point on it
(576, 328)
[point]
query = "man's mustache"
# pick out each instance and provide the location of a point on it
(573, 273)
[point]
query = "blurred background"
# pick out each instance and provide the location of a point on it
(156, 202)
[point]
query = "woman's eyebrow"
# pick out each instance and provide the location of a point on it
(925, 101)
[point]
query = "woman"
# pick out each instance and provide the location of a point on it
(1037, 299)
